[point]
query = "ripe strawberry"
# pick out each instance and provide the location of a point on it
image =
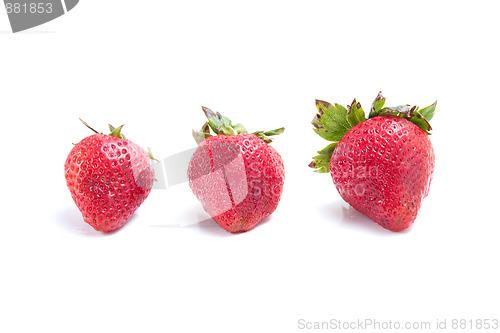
(382, 166)
(109, 177)
(237, 176)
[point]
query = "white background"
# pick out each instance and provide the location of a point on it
(152, 65)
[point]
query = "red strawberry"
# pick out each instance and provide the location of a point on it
(382, 166)
(109, 177)
(237, 176)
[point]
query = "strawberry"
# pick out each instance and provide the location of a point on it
(237, 176)
(381, 166)
(109, 177)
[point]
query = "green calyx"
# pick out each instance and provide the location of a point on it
(333, 121)
(221, 125)
(117, 133)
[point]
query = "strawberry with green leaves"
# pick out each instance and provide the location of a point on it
(109, 177)
(382, 166)
(237, 176)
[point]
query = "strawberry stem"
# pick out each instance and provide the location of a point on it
(93, 130)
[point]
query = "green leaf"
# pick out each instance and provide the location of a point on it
(355, 113)
(226, 130)
(216, 121)
(117, 132)
(420, 121)
(321, 162)
(151, 157)
(377, 105)
(239, 128)
(428, 112)
(331, 121)
(205, 129)
(277, 131)
(266, 135)
(199, 137)
(264, 138)
(402, 111)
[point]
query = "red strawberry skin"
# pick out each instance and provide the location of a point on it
(109, 178)
(238, 180)
(383, 168)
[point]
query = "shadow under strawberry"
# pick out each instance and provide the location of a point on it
(71, 220)
(340, 213)
(207, 226)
